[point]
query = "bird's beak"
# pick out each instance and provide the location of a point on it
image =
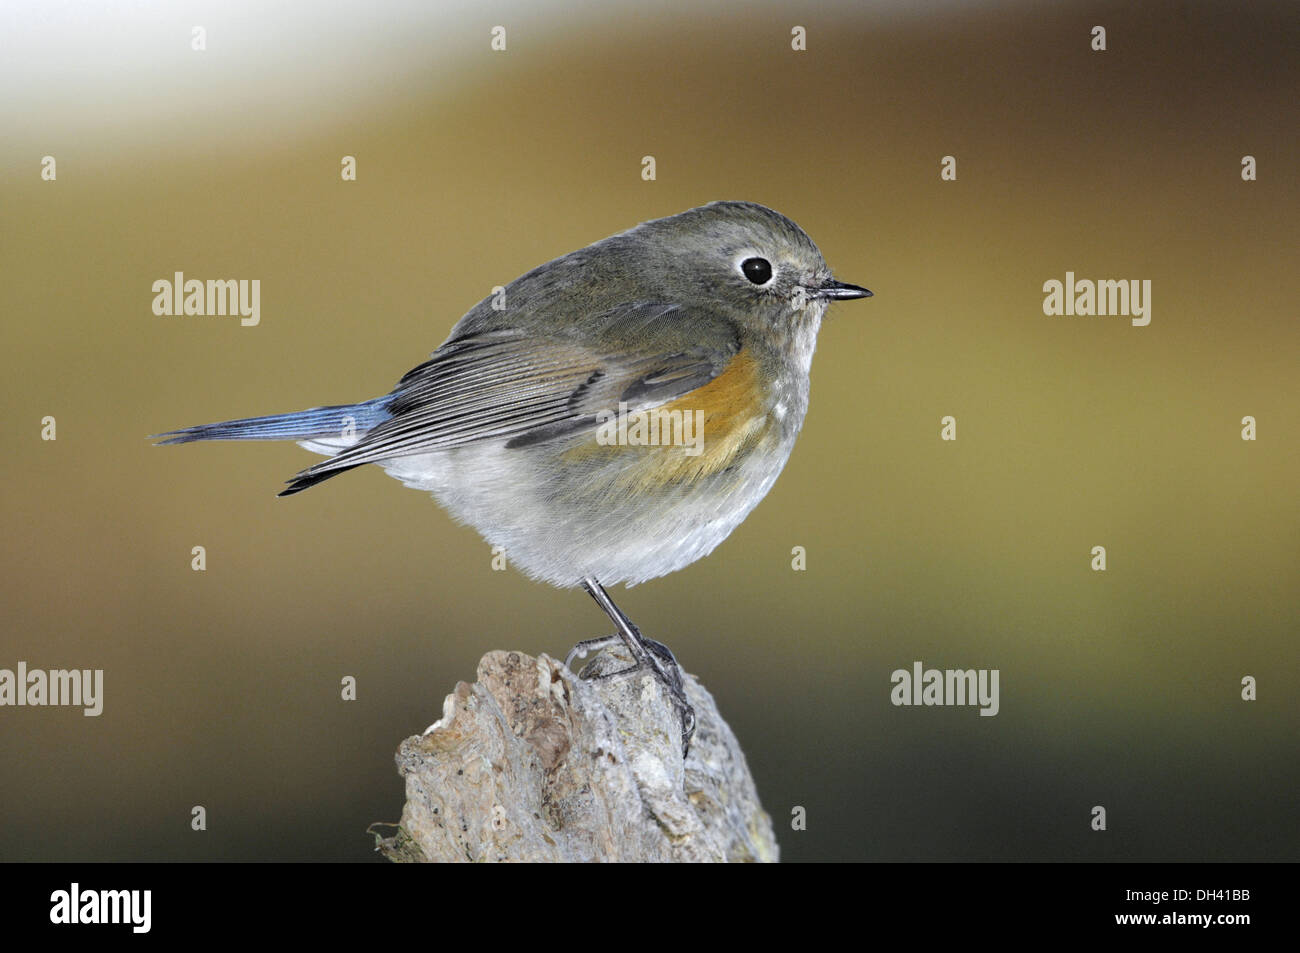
(839, 291)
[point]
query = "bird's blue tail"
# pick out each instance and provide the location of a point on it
(304, 425)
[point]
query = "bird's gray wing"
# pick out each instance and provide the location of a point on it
(524, 387)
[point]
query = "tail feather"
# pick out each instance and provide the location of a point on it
(303, 425)
(318, 429)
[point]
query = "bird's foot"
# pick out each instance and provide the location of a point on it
(661, 663)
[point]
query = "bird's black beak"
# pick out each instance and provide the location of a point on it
(839, 291)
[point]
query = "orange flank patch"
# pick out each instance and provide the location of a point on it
(734, 420)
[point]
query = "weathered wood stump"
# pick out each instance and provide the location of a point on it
(532, 763)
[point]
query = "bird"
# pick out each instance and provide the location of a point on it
(608, 417)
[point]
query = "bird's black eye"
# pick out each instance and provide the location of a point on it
(757, 270)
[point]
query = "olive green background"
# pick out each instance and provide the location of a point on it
(1119, 689)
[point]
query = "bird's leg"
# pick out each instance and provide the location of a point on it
(646, 653)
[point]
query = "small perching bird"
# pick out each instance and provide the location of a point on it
(611, 417)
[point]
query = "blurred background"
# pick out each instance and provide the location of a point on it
(1118, 688)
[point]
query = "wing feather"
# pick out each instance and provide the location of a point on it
(506, 383)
